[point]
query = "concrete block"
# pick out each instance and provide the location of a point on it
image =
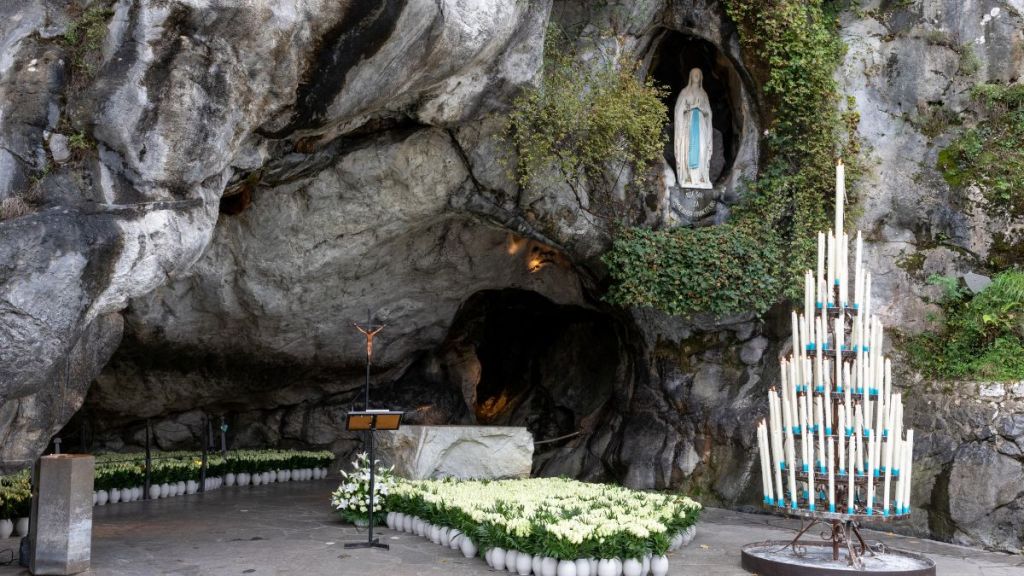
(61, 531)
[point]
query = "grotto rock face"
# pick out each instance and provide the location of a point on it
(195, 210)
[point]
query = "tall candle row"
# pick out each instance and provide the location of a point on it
(834, 436)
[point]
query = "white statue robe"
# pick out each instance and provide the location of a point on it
(693, 100)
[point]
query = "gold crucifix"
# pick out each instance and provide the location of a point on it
(369, 333)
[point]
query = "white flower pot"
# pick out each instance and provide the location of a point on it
(645, 564)
(283, 475)
(582, 567)
(295, 475)
(688, 535)
(535, 566)
(154, 491)
(435, 534)
(407, 523)
(422, 529)
(618, 566)
(524, 564)
(605, 567)
(244, 479)
(182, 488)
(229, 478)
(21, 527)
(115, 495)
(487, 558)
(567, 568)
(389, 520)
(468, 547)
(137, 493)
(257, 479)
(316, 474)
(445, 539)
(6, 529)
(273, 476)
(453, 539)
(498, 558)
(95, 498)
(548, 566)
(165, 490)
(191, 487)
(266, 477)
(101, 498)
(631, 567)
(659, 565)
(510, 560)
(399, 521)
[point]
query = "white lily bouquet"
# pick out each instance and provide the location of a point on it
(352, 498)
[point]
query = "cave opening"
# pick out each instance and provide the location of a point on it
(673, 56)
(518, 358)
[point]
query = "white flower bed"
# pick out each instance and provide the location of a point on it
(547, 526)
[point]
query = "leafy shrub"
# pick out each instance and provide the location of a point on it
(583, 124)
(991, 155)
(980, 337)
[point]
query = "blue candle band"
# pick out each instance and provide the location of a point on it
(870, 512)
(873, 392)
(782, 465)
(856, 306)
(838, 281)
(832, 508)
(875, 473)
(842, 471)
(811, 507)
(885, 433)
(793, 506)
(885, 512)
(828, 430)
(805, 467)
(819, 389)
(896, 472)
(849, 510)
(867, 431)
(849, 431)
(817, 305)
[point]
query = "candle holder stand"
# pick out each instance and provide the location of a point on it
(834, 452)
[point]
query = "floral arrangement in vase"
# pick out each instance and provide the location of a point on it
(352, 498)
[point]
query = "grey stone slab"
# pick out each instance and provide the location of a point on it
(62, 514)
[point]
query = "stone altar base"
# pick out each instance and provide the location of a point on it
(477, 452)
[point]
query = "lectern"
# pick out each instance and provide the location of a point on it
(370, 421)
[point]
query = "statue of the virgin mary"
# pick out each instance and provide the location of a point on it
(693, 135)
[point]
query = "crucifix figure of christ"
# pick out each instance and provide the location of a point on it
(369, 329)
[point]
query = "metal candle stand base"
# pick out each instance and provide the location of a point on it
(840, 532)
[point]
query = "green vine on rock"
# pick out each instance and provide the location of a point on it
(585, 125)
(991, 155)
(759, 255)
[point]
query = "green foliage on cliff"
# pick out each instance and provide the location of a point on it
(980, 337)
(991, 155)
(793, 49)
(83, 39)
(584, 123)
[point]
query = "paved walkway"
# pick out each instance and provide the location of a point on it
(289, 529)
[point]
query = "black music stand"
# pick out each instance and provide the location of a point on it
(371, 421)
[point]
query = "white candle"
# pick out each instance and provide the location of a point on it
(831, 476)
(888, 477)
(841, 268)
(841, 434)
(791, 459)
(858, 279)
(819, 410)
(887, 423)
(839, 347)
(907, 473)
(766, 475)
(871, 478)
(808, 295)
(810, 485)
(840, 196)
(820, 278)
(780, 458)
(831, 280)
(819, 356)
(850, 482)
(857, 428)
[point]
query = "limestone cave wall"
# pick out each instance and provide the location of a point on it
(208, 196)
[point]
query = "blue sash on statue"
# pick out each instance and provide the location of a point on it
(693, 162)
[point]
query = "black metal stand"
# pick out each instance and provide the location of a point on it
(371, 542)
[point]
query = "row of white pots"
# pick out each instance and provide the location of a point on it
(298, 475)
(18, 527)
(523, 564)
(165, 490)
(172, 489)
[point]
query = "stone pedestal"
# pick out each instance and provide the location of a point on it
(61, 532)
(478, 452)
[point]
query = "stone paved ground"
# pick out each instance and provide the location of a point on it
(288, 529)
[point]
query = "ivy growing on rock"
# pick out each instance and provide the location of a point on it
(979, 336)
(759, 255)
(991, 155)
